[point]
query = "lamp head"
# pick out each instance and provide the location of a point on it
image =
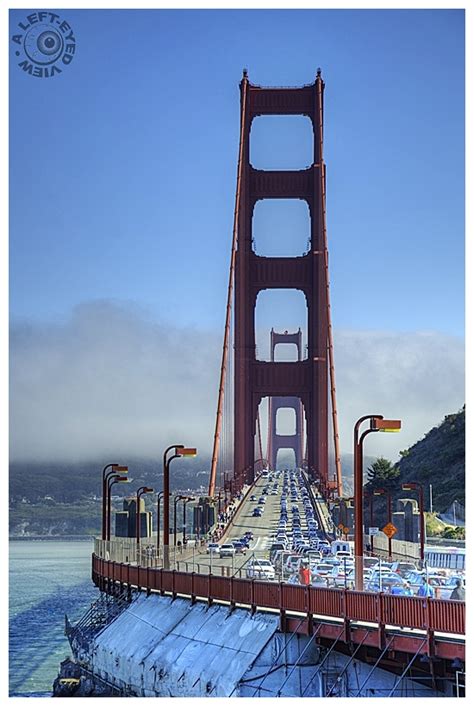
(389, 425)
(408, 486)
(144, 489)
(186, 451)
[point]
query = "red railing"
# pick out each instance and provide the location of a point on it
(411, 612)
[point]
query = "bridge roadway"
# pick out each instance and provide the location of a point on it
(263, 529)
(243, 521)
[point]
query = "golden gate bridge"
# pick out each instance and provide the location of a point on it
(418, 637)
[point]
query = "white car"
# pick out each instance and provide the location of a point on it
(324, 569)
(344, 555)
(260, 569)
(227, 550)
(213, 548)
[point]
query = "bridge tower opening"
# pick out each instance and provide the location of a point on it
(277, 441)
(302, 380)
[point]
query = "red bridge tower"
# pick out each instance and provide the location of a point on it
(303, 379)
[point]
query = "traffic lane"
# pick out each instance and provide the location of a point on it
(262, 527)
(242, 511)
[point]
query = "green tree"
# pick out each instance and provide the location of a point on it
(382, 473)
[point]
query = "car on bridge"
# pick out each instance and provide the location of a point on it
(324, 570)
(260, 569)
(240, 547)
(324, 546)
(213, 548)
(346, 579)
(277, 546)
(370, 562)
(291, 564)
(392, 583)
(227, 550)
(403, 568)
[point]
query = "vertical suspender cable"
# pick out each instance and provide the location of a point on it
(269, 428)
(230, 288)
(322, 172)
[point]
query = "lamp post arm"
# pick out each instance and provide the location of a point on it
(104, 499)
(422, 523)
(358, 499)
(166, 501)
(109, 503)
(173, 446)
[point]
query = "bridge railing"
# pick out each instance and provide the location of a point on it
(410, 612)
(188, 559)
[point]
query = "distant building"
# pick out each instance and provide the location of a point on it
(125, 521)
(204, 516)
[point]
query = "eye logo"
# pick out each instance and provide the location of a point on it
(45, 46)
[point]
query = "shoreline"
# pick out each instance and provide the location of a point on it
(49, 538)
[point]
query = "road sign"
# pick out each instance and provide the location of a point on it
(389, 530)
(373, 531)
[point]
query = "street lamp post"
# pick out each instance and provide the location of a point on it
(177, 498)
(179, 450)
(112, 478)
(187, 500)
(198, 523)
(141, 491)
(377, 423)
(370, 496)
(159, 497)
(116, 468)
(421, 502)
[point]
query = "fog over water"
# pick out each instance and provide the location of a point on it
(111, 380)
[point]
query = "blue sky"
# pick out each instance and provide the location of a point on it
(123, 168)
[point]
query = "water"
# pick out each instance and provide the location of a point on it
(47, 580)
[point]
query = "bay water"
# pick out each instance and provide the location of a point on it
(47, 579)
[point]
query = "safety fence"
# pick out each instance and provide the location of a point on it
(192, 558)
(428, 614)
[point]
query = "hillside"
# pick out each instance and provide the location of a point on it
(347, 469)
(439, 459)
(65, 498)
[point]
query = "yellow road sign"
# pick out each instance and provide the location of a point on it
(389, 530)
